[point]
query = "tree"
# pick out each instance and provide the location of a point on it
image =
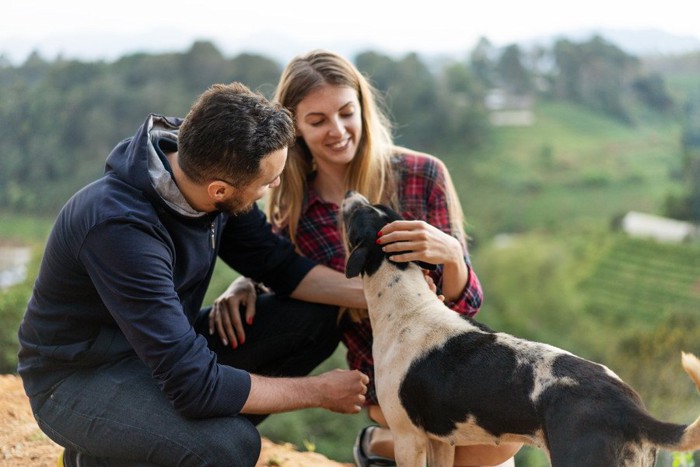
(202, 65)
(466, 125)
(596, 74)
(652, 91)
(481, 62)
(512, 74)
(257, 72)
(690, 142)
(408, 89)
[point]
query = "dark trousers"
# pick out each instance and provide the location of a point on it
(115, 415)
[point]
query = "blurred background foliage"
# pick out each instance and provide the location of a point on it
(605, 133)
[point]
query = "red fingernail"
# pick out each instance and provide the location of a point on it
(249, 320)
(233, 345)
(379, 234)
(378, 242)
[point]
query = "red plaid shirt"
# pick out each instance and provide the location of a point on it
(421, 197)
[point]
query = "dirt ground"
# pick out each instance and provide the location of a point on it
(22, 444)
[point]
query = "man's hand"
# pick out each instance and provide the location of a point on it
(343, 391)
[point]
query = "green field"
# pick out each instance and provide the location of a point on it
(647, 280)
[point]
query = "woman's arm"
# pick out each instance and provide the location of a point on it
(427, 194)
(325, 285)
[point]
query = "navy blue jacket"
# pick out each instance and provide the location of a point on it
(124, 272)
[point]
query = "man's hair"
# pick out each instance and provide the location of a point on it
(228, 131)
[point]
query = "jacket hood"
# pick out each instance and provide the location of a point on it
(137, 161)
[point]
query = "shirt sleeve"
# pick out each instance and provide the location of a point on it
(250, 247)
(469, 302)
(130, 266)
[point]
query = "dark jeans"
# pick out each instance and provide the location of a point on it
(115, 415)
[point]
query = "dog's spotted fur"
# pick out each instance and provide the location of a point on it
(444, 380)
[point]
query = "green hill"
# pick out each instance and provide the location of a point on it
(573, 169)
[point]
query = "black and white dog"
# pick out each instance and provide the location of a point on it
(444, 380)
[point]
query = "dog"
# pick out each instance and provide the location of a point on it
(443, 379)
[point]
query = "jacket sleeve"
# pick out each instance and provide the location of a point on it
(130, 266)
(250, 247)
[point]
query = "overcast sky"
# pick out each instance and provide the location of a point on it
(96, 29)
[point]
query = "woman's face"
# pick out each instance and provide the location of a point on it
(329, 120)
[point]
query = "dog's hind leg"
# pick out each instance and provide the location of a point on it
(410, 449)
(440, 454)
(581, 449)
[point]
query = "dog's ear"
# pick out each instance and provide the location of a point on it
(426, 266)
(390, 214)
(356, 261)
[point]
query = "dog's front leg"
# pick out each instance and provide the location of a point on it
(410, 449)
(440, 454)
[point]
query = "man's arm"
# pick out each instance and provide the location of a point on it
(325, 285)
(340, 391)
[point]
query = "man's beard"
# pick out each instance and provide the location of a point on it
(234, 206)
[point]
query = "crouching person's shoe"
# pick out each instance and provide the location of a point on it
(362, 454)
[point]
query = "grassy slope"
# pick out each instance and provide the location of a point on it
(570, 170)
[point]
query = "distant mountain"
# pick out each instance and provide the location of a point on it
(641, 43)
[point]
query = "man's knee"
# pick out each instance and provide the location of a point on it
(247, 451)
(239, 445)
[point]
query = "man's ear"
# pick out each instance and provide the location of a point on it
(218, 190)
(356, 261)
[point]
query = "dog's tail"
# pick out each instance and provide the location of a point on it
(690, 438)
(691, 365)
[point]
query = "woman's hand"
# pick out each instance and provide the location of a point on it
(419, 241)
(225, 314)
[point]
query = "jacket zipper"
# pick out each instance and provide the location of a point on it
(213, 235)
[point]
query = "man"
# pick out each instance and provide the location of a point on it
(115, 353)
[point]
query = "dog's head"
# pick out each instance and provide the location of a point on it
(361, 222)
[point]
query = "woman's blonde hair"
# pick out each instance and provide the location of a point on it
(370, 170)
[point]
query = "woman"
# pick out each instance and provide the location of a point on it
(344, 142)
